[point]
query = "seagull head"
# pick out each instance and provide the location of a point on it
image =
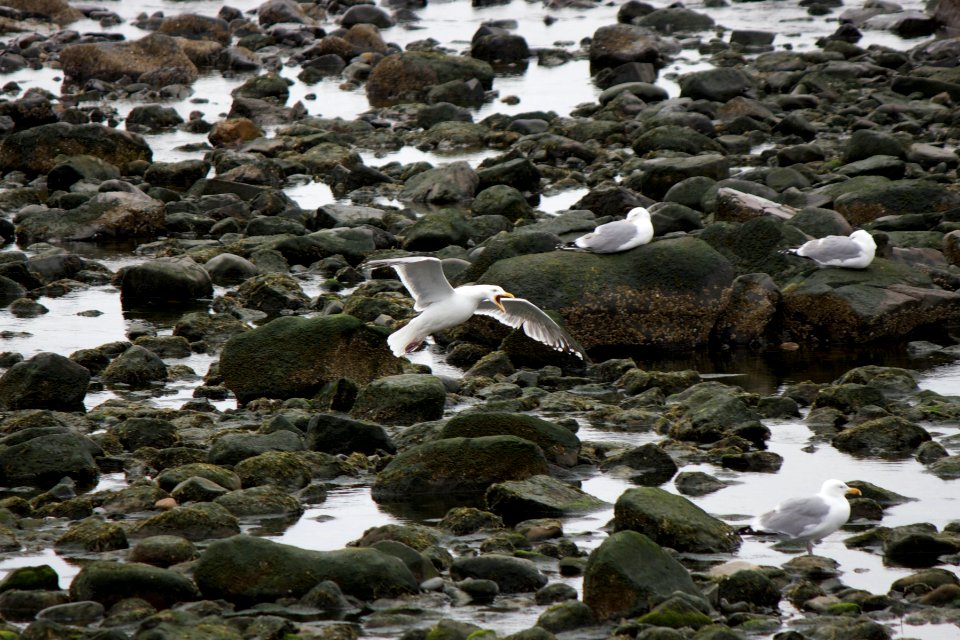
(637, 213)
(838, 488)
(498, 296)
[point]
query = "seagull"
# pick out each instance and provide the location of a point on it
(853, 252)
(810, 518)
(617, 236)
(443, 307)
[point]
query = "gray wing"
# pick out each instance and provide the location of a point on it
(608, 237)
(795, 517)
(421, 275)
(830, 248)
(535, 323)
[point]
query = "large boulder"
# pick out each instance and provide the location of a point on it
(402, 399)
(454, 182)
(539, 497)
(37, 150)
(334, 433)
(618, 44)
(293, 357)
(42, 456)
(512, 575)
(247, 570)
(708, 411)
(107, 216)
(627, 298)
(45, 381)
(560, 445)
(629, 573)
(458, 466)
(58, 11)
(407, 76)
(140, 60)
(110, 582)
(879, 198)
(176, 280)
(673, 521)
(886, 300)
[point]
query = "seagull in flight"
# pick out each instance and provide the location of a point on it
(442, 307)
(855, 251)
(617, 236)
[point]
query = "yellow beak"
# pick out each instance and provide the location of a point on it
(854, 491)
(496, 300)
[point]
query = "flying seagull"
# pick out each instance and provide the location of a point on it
(443, 307)
(810, 518)
(853, 252)
(617, 236)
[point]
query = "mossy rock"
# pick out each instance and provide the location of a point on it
(560, 445)
(673, 521)
(539, 497)
(402, 399)
(889, 436)
(171, 477)
(110, 582)
(36, 150)
(406, 76)
(627, 298)
(294, 357)
(199, 521)
(676, 612)
(41, 577)
(458, 466)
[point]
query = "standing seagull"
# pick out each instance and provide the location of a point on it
(853, 252)
(619, 235)
(443, 307)
(811, 518)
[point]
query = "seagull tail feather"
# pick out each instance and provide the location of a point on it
(401, 338)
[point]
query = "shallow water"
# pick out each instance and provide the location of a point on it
(349, 510)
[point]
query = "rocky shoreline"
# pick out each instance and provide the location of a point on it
(760, 152)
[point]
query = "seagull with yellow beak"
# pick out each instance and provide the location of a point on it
(443, 307)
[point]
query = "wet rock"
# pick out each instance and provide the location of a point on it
(39, 577)
(559, 445)
(930, 578)
(946, 468)
(106, 216)
(673, 521)
(461, 521)
(437, 230)
(454, 182)
(163, 551)
(501, 200)
(92, 534)
(58, 11)
(406, 77)
(260, 501)
(176, 280)
(584, 288)
(884, 198)
(893, 382)
(233, 132)
(662, 173)
(271, 293)
(567, 616)
(20, 605)
(247, 570)
(171, 477)
(614, 45)
(333, 433)
(366, 14)
(887, 436)
(274, 12)
(230, 449)
(45, 381)
(200, 521)
(37, 150)
(648, 464)
(538, 496)
(76, 613)
(72, 169)
(910, 547)
(401, 399)
(749, 586)
(140, 60)
(136, 367)
(111, 582)
(196, 27)
(512, 575)
(178, 176)
(41, 456)
(458, 466)
(500, 49)
(710, 411)
(213, 330)
(519, 173)
(152, 118)
(719, 84)
(304, 355)
(627, 573)
(697, 483)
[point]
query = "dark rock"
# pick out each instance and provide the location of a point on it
(82, 167)
(333, 433)
(105, 216)
(749, 586)
(454, 182)
(110, 582)
(137, 367)
(653, 465)
(406, 77)
(41, 456)
(178, 176)
(196, 522)
(111, 61)
(538, 496)
(560, 445)
(163, 551)
(614, 45)
(697, 483)
(92, 534)
(230, 449)
(164, 281)
(512, 575)
(260, 501)
(719, 84)
(499, 49)
(401, 399)
(45, 381)
(37, 150)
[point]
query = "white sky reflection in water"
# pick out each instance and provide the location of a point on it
(349, 510)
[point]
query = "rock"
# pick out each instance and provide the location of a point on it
(889, 436)
(454, 182)
(401, 399)
(152, 118)
(41, 456)
(295, 357)
(258, 502)
(92, 534)
(753, 305)
(885, 198)
(906, 546)
(519, 173)
(458, 466)
(627, 573)
(20, 605)
(230, 449)
(72, 169)
(106, 216)
(709, 411)
(676, 612)
(512, 575)
(501, 49)
(504, 200)
(166, 281)
(137, 367)
(58, 11)
(892, 382)
(566, 616)
(697, 483)
(140, 60)
(540, 497)
(196, 27)
(170, 478)
(178, 176)
(614, 45)
(272, 293)
(671, 20)
(749, 586)
(45, 381)
(662, 173)
(559, 445)
(719, 84)
(333, 433)
(110, 582)
(39, 577)
(653, 465)
(233, 132)
(247, 570)
(366, 14)
(673, 521)
(585, 289)
(406, 76)
(274, 12)
(436, 230)
(37, 150)
(200, 521)
(291, 471)
(163, 551)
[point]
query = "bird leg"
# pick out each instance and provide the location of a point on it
(810, 548)
(413, 346)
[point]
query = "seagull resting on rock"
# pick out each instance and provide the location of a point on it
(617, 236)
(443, 307)
(855, 251)
(810, 518)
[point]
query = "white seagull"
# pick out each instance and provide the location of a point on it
(619, 235)
(855, 251)
(810, 518)
(443, 307)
